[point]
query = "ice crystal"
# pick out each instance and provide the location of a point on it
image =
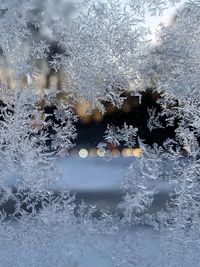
(127, 134)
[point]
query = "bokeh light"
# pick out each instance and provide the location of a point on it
(137, 152)
(115, 153)
(101, 152)
(83, 153)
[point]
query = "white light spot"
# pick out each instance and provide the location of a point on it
(101, 152)
(83, 153)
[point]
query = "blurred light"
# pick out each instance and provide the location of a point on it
(130, 152)
(124, 152)
(97, 116)
(83, 153)
(115, 153)
(137, 152)
(101, 152)
(93, 152)
(127, 152)
(83, 109)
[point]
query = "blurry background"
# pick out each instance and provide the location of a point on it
(86, 170)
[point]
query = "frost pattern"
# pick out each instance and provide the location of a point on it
(127, 135)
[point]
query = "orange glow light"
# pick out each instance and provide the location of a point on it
(137, 152)
(115, 152)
